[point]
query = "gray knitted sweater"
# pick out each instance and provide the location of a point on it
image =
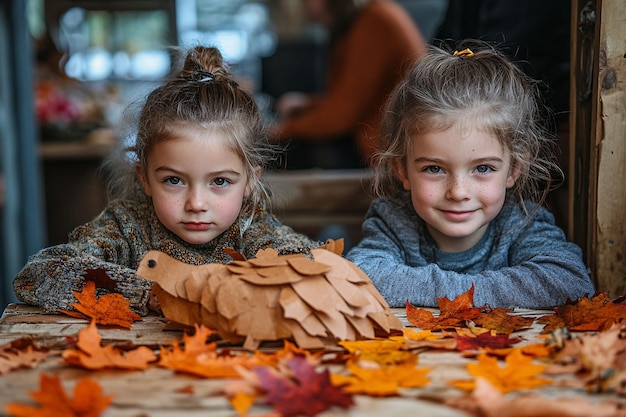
(116, 240)
(516, 263)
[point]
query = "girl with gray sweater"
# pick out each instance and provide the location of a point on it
(465, 165)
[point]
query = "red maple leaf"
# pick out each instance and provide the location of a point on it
(499, 341)
(305, 392)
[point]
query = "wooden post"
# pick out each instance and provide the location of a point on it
(598, 139)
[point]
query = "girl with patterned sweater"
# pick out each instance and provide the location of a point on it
(190, 187)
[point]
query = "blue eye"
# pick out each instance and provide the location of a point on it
(483, 169)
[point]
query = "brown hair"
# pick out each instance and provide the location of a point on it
(203, 94)
(485, 88)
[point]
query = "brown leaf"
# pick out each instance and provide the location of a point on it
(88, 400)
(101, 279)
(487, 401)
(21, 353)
(586, 314)
(111, 309)
(91, 355)
(502, 322)
(453, 313)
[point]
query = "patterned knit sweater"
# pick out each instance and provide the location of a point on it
(115, 241)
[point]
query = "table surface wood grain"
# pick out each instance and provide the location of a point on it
(161, 392)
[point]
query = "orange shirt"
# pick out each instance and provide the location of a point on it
(365, 65)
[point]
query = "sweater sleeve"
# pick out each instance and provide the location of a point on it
(540, 269)
(368, 63)
(50, 276)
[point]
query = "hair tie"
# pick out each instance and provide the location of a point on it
(202, 76)
(465, 52)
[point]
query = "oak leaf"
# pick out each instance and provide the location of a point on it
(21, 353)
(111, 309)
(518, 373)
(501, 321)
(197, 357)
(585, 314)
(88, 400)
(452, 313)
(382, 380)
(301, 391)
(91, 355)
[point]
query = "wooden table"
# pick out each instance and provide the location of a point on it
(160, 392)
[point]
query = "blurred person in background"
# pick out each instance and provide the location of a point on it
(371, 45)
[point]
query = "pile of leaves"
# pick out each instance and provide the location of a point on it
(297, 382)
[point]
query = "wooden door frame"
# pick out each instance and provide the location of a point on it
(597, 194)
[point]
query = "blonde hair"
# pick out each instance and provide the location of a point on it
(202, 94)
(484, 88)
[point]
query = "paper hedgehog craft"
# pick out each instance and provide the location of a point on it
(314, 302)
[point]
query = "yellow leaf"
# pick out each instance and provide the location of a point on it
(518, 373)
(242, 402)
(383, 381)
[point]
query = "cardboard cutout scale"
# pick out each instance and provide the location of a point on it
(313, 302)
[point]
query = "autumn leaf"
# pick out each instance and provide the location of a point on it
(21, 353)
(452, 313)
(598, 360)
(585, 314)
(304, 391)
(242, 402)
(88, 400)
(91, 355)
(288, 351)
(111, 309)
(518, 373)
(497, 341)
(501, 321)
(197, 357)
(486, 401)
(101, 279)
(383, 380)
(535, 350)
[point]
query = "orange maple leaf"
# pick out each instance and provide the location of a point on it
(453, 313)
(585, 314)
(112, 309)
(88, 400)
(519, 373)
(92, 355)
(202, 359)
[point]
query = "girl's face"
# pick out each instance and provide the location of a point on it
(458, 180)
(196, 183)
